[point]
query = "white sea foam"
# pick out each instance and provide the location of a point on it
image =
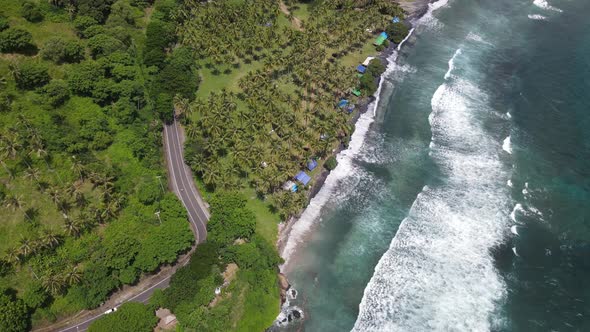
(477, 38)
(428, 18)
(343, 171)
(508, 115)
(537, 17)
(507, 145)
(545, 5)
(514, 230)
(452, 64)
(399, 47)
(517, 208)
(438, 273)
(509, 183)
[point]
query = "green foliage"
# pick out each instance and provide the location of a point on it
(82, 77)
(81, 23)
(131, 316)
(230, 219)
(97, 9)
(122, 13)
(203, 262)
(331, 163)
(31, 12)
(35, 296)
(56, 93)
(149, 192)
(178, 75)
(103, 44)
(97, 283)
(13, 313)
(59, 50)
(159, 36)
(30, 74)
(376, 68)
(3, 23)
(164, 107)
(397, 31)
(16, 40)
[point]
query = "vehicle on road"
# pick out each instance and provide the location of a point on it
(110, 311)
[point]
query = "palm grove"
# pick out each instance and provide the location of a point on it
(81, 170)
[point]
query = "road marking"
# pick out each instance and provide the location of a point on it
(189, 179)
(175, 183)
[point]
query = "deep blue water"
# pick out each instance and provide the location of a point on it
(481, 132)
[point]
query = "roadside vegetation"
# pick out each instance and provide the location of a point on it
(82, 182)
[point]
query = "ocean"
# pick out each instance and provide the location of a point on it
(463, 202)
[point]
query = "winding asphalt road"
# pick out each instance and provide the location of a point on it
(182, 184)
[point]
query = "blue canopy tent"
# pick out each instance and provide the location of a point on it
(361, 69)
(312, 164)
(303, 178)
(395, 19)
(383, 34)
(342, 103)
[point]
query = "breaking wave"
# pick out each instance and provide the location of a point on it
(438, 274)
(543, 4)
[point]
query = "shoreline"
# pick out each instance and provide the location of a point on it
(415, 10)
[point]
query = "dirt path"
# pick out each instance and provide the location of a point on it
(295, 21)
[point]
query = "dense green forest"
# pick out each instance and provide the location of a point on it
(82, 87)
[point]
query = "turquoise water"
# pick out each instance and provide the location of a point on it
(463, 203)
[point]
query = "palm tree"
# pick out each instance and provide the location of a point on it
(14, 202)
(72, 275)
(32, 174)
(71, 227)
(10, 145)
(26, 246)
(50, 238)
(53, 284)
(12, 255)
(78, 168)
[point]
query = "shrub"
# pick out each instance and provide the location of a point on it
(103, 44)
(82, 78)
(81, 23)
(3, 23)
(16, 40)
(94, 30)
(60, 50)
(31, 12)
(29, 75)
(397, 31)
(376, 67)
(56, 92)
(97, 9)
(331, 163)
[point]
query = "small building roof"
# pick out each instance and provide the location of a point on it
(383, 34)
(342, 103)
(312, 164)
(395, 19)
(368, 61)
(290, 186)
(356, 92)
(303, 177)
(380, 40)
(361, 69)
